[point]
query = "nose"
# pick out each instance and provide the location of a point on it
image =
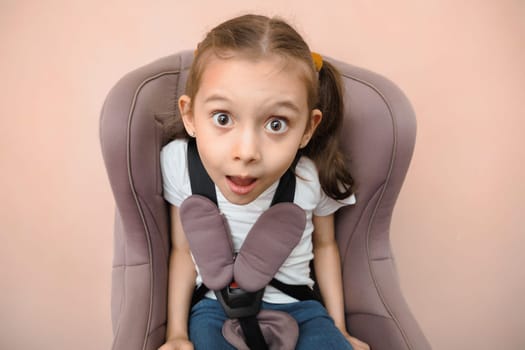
(247, 147)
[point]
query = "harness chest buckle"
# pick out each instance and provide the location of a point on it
(238, 303)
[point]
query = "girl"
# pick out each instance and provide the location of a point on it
(256, 101)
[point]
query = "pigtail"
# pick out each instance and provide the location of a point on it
(323, 148)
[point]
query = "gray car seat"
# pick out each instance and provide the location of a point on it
(378, 136)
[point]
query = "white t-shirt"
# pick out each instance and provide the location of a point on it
(308, 195)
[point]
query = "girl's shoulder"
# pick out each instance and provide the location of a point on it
(175, 147)
(306, 170)
(308, 188)
(309, 193)
(174, 155)
(174, 168)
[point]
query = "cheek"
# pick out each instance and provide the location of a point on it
(281, 157)
(208, 147)
(210, 152)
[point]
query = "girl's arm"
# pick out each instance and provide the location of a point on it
(180, 287)
(327, 265)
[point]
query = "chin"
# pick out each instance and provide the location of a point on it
(240, 200)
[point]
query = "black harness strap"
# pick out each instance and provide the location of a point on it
(299, 292)
(252, 333)
(198, 294)
(285, 192)
(201, 182)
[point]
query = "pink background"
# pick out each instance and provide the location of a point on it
(458, 231)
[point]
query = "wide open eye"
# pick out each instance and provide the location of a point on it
(222, 119)
(276, 125)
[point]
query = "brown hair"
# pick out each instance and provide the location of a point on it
(257, 36)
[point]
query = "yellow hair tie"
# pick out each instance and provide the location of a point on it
(318, 61)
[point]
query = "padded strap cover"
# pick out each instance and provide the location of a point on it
(280, 331)
(209, 239)
(268, 244)
(270, 241)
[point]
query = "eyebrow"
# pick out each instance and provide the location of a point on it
(288, 104)
(216, 97)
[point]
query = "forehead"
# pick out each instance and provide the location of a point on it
(244, 76)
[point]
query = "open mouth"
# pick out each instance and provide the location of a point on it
(240, 184)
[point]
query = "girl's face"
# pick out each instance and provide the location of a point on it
(249, 118)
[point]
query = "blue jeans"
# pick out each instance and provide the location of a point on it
(316, 327)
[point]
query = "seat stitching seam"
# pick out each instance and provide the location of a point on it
(392, 161)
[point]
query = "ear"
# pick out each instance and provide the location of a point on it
(315, 118)
(187, 114)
